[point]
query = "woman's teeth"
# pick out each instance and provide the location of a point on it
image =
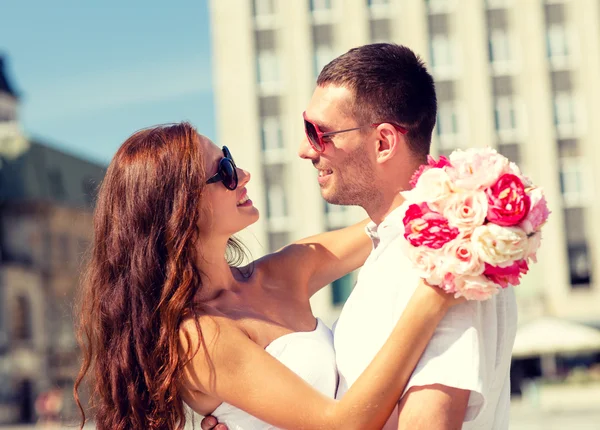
(243, 200)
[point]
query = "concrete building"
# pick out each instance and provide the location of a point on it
(46, 201)
(521, 76)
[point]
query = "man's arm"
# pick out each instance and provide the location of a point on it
(433, 407)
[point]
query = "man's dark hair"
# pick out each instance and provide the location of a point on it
(390, 83)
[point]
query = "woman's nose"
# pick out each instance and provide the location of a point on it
(243, 176)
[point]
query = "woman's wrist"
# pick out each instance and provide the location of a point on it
(434, 297)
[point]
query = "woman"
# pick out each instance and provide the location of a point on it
(166, 318)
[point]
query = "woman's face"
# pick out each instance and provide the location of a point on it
(229, 211)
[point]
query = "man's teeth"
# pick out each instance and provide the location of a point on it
(243, 200)
(325, 172)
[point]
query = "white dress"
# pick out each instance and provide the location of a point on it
(308, 354)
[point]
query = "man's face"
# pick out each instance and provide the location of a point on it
(346, 167)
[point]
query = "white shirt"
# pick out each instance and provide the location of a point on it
(470, 349)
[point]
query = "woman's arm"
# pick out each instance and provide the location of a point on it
(321, 259)
(234, 369)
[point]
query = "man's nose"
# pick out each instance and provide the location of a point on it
(306, 150)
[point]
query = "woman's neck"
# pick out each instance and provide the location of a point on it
(216, 272)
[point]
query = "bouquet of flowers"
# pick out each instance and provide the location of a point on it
(473, 222)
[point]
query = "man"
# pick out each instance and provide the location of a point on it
(369, 126)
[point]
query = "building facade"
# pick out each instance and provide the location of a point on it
(520, 76)
(46, 202)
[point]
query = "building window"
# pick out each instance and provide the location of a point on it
(277, 207)
(511, 151)
(64, 249)
(323, 55)
(442, 56)
(378, 2)
(264, 7)
(22, 330)
(565, 114)
(380, 30)
(278, 240)
(448, 125)
(320, 5)
(341, 289)
(272, 135)
(499, 47)
(268, 67)
(90, 191)
(335, 209)
(276, 198)
(572, 183)
(505, 116)
(579, 265)
(440, 6)
(55, 182)
(83, 247)
(492, 4)
(336, 215)
(557, 42)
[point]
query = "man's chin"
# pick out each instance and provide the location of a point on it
(331, 197)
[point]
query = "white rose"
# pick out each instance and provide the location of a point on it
(460, 258)
(497, 245)
(434, 186)
(466, 210)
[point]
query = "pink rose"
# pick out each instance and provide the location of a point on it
(474, 287)
(507, 276)
(466, 210)
(538, 212)
(447, 283)
(508, 203)
(424, 227)
(431, 163)
(425, 261)
(461, 259)
(477, 168)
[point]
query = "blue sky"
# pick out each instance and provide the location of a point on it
(91, 73)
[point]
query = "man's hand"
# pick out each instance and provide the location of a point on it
(210, 423)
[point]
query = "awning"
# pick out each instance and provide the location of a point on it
(549, 335)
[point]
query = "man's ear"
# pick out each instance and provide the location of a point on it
(388, 142)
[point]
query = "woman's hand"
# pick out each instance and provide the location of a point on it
(437, 295)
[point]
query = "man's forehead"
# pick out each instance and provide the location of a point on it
(329, 102)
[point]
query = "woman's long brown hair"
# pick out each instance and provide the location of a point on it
(141, 279)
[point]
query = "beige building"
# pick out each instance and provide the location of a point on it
(46, 202)
(518, 75)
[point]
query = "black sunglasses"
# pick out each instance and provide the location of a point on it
(227, 171)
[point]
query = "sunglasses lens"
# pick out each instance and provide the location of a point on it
(312, 135)
(228, 173)
(227, 154)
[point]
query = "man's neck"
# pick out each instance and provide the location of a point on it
(378, 214)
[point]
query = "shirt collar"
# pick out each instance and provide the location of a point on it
(389, 228)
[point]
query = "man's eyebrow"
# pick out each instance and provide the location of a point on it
(323, 127)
